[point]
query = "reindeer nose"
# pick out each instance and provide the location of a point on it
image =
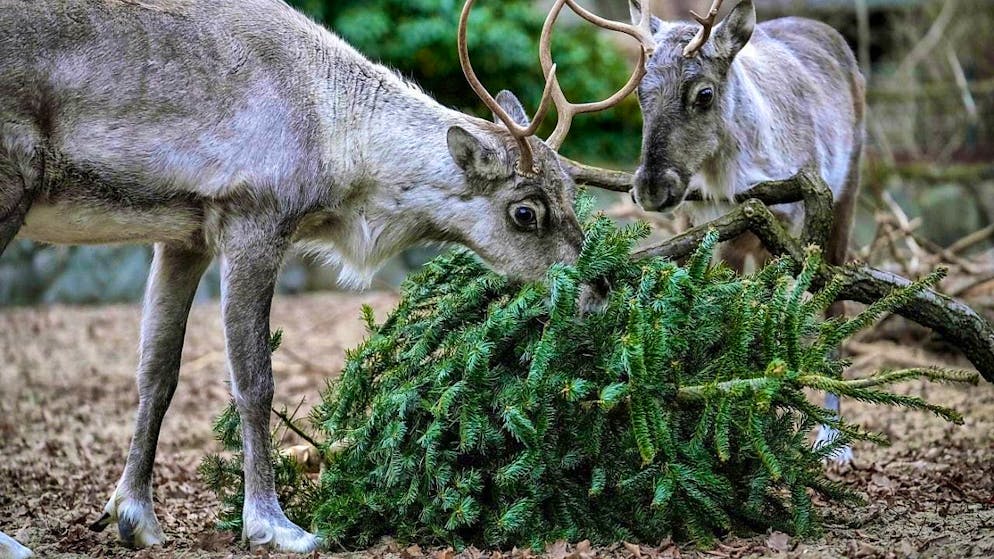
(654, 203)
(656, 192)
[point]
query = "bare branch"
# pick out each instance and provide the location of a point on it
(607, 179)
(962, 84)
(971, 240)
(288, 421)
(931, 38)
(863, 29)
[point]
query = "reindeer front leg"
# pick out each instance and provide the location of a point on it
(172, 283)
(252, 251)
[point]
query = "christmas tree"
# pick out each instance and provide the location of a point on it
(496, 414)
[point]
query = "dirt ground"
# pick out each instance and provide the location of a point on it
(67, 400)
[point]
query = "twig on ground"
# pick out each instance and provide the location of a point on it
(288, 421)
(306, 363)
(971, 240)
(905, 225)
(987, 277)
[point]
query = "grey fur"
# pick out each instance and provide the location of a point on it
(242, 129)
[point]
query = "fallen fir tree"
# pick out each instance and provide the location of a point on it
(481, 412)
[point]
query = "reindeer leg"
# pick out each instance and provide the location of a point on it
(172, 283)
(14, 205)
(252, 252)
(740, 251)
(11, 224)
(826, 434)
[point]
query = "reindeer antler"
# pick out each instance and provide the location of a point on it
(553, 93)
(707, 24)
(526, 162)
(566, 110)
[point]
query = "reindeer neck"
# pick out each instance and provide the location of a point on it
(383, 133)
(394, 171)
(757, 143)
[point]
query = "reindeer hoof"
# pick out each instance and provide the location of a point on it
(842, 456)
(11, 549)
(137, 525)
(277, 533)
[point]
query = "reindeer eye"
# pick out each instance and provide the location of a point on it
(525, 217)
(705, 98)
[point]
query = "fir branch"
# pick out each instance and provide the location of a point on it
(490, 413)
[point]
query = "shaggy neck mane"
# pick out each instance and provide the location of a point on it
(400, 178)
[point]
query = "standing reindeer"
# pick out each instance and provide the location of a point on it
(239, 128)
(729, 106)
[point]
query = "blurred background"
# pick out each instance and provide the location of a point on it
(928, 186)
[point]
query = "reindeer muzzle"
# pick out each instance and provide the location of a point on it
(658, 191)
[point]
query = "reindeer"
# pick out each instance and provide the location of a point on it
(241, 129)
(730, 105)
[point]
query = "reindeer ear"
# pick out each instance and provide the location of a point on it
(635, 9)
(513, 107)
(475, 158)
(735, 30)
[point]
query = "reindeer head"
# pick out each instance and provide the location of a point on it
(521, 177)
(683, 98)
(522, 221)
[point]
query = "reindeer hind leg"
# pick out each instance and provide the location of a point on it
(23, 158)
(172, 283)
(15, 201)
(744, 253)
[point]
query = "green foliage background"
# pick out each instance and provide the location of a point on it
(418, 38)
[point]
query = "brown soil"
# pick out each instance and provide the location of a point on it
(67, 400)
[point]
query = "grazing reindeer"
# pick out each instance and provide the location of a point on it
(732, 105)
(241, 129)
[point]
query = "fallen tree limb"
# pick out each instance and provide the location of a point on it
(956, 322)
(606, 179)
